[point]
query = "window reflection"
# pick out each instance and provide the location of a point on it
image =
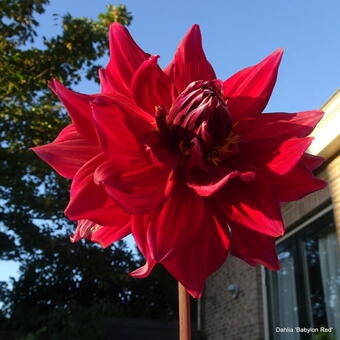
(306, 291)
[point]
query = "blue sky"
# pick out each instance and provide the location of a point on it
(236, 34)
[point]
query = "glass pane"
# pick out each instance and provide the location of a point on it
(314, 284)
(330, 274)
(284, 307)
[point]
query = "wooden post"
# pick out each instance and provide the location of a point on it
(184, 313)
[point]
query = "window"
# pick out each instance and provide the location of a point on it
(306, 291)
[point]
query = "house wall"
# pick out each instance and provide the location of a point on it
(225, 318)
(229, 318)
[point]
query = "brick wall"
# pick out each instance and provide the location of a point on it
(229, 318)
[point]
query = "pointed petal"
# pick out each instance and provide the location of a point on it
(275, 156)
(78, 107)
(68, 152)
(138, 189)
(248, 91)
(89, 201)
(253, 247)
(151, 87)
(176, 223)
(253, 205)
(274, 125)
(297, 183)
(312, 162)
(201, 257)
(125, 58)
(289, 154)
(190, 62)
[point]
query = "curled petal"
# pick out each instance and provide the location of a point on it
(151, 87)
(144, 271)
(89, 201)
(79, 109)
(68, 152)
(253, 205)
(213, 187)
(253, 247)
(248, 91)
(190, 62)
(278, 125)
(201, 257)
(99, 234)
(105, 236)
(125, 58)
(84, 229)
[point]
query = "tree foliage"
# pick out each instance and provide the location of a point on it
(57, 278)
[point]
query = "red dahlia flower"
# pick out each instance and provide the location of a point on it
(186, 163)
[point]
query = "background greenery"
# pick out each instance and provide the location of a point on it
(63, 288)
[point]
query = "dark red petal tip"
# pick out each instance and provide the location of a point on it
(248, 91)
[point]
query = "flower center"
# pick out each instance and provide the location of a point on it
(199, 121)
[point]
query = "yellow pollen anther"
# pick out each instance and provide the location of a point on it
(217, 153)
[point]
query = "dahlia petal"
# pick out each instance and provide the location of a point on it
(253, 247)
(138, 190)
(274, 155)
(89, 201)
(151, 87)
(68, 152)
(125, 58)
(204, 255)
(160, 152)
(248, 91)
(106, 86)
(139, 227)
(99, 234)
(312, 162)
(253, 205)
(210, 189)
(78, 107)
(190, 62)
(144, 271)
(289, 153)
(169, 228)
(297, 183)
(84, 229)
(105, 235)
(274, 125)
(119, 132)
